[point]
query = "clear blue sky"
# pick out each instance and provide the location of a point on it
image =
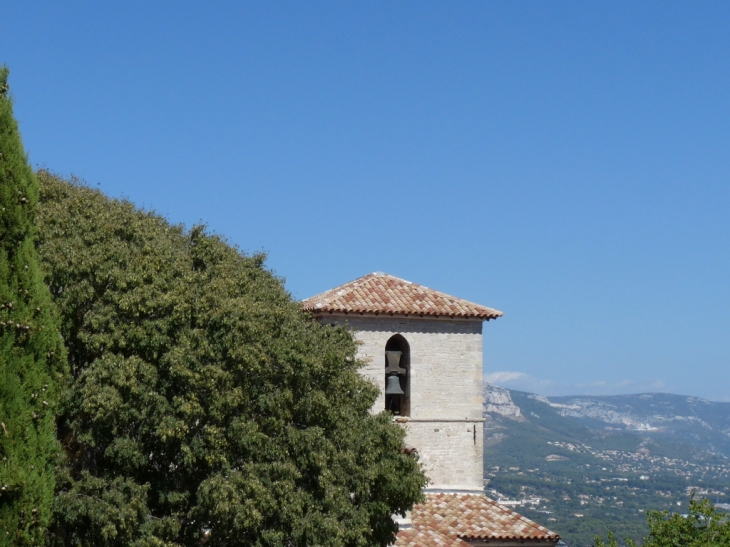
(565, 162)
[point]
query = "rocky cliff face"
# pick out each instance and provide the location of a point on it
(663, 417)
(646, 411)
(499, 401)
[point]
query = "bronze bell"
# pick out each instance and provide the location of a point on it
(393, 386)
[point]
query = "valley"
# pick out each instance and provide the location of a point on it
(586, 465)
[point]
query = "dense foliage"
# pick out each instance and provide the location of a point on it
(205, 405)
(703, 526)
(31, 350)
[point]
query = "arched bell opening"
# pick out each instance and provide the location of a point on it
(398, 376)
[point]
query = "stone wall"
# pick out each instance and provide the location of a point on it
(445, 390)
(450, 452)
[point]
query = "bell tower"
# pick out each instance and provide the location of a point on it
(423, 349)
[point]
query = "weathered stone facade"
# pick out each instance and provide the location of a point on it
(445, 395)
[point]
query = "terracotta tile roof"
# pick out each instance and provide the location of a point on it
(450, 519)
(382, 293)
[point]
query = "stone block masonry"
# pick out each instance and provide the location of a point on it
(451, 453)
(445, 390)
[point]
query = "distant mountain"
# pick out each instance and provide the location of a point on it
(702, 424)
(690, 424)
(583, 465)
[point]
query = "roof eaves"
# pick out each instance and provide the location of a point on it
(550, 536)
(324, 309)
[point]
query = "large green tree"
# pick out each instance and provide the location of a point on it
(31, 350)
(206, 406)
(702, 526)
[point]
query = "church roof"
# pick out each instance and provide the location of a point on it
(382, 293)
(454, 519)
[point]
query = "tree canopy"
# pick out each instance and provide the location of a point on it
(32, 358)
(702, 526)
(205, 406)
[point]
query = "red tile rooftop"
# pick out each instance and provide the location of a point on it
(379, 293)
(459, 519)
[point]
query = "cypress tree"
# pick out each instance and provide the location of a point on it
(32, 357)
